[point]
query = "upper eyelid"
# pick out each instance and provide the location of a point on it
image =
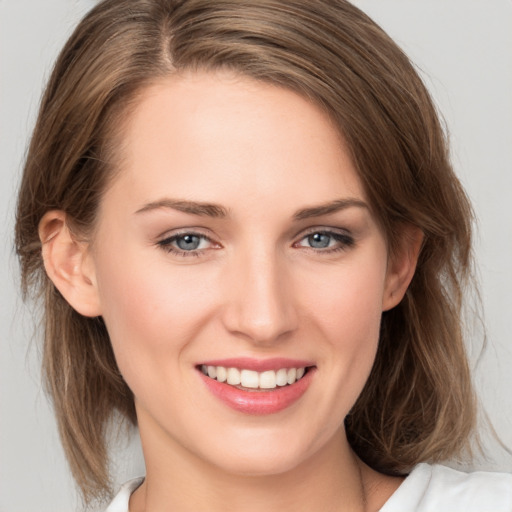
(323, 229)
(167, 235)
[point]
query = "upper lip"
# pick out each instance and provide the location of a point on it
(258, 365)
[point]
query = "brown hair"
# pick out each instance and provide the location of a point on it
(418, 404)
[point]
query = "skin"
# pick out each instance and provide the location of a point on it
(254, 287)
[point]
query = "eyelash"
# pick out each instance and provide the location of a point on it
(344, 240)
(166, 244)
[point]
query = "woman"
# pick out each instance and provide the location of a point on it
(251, 244)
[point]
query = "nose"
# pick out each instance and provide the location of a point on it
(260, 305)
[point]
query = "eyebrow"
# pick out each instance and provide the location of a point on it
(327, 208)
(217, 211)
(192, 207)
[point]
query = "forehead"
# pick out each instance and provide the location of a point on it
(190, 133)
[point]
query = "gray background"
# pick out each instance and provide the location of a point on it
(464, 49)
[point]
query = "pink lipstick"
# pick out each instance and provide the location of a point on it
(257, 387)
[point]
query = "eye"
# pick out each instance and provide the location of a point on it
(320, 240)
(189, 242)
(186, 244)
(326, 241)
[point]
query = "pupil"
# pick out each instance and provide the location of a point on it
(188, 242)
(319, 240)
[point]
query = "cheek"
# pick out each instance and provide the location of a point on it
(347, 312)
(151, 309)
(347, 299)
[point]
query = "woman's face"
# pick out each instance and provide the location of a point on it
(237, 236)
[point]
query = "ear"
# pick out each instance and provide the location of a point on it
(69, 264)
(401, 266)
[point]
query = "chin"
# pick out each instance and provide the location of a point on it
(262, 455)
(260, 466)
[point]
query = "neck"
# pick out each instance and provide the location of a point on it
(178, 480)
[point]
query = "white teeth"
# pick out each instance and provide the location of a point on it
(269, 379)
(282, 377)
(233, 376)
(249, 379)
(222, 374)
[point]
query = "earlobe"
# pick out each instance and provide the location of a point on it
(68, 264)
(402, 266)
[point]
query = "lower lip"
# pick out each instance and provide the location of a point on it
(259, 402)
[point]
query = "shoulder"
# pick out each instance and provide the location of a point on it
(120, 502)
(434, 488)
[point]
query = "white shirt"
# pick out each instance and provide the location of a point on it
(429, 488)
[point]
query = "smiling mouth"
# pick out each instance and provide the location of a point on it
(250, 380)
